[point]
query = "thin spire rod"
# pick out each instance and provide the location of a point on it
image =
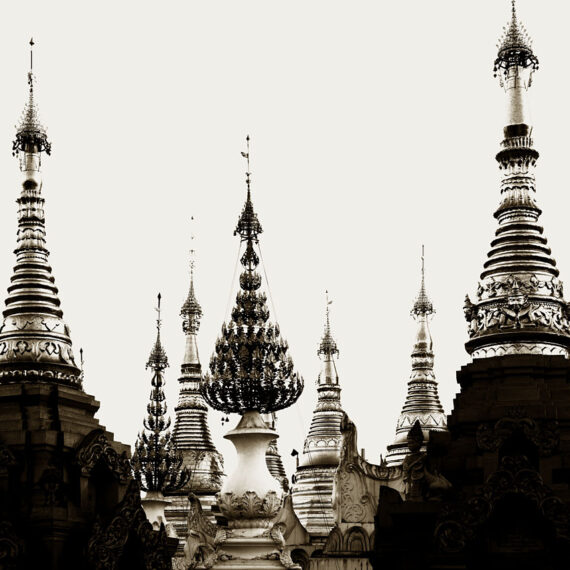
(157, 309)
(246, 156)
(328, 325)
(192, 250)
(31, 54)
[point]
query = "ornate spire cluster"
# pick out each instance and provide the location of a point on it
(251, 368)
(422, 401)
(519, 307)
(35, 342)
(157, 464)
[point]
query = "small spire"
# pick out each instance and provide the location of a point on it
(191, 310)
(328, 345)
(422, 305)
(31, 135)
(157, 359)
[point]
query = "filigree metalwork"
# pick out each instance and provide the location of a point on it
(251, 368)
(31, 135)
(515, 47)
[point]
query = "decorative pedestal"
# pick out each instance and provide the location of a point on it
(251, 499)
(154, 504)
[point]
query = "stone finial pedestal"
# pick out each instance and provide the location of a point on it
(251, 499)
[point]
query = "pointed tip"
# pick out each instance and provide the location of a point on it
(328, 345)
(31, 135)
(157, 360)
(422, 304)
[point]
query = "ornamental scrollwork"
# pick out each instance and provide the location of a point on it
(96, 447)
(106, 544)
(200, 542)
(459, 523)
(544, 435)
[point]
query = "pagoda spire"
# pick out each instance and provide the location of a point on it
(35, 343)
(312, 494)
(519, 307)
(157, 465)
(191, 430)
(422, 401)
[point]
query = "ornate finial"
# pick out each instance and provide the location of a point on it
(251, 369)
(31, 135)
(157, 359)
(422, 305)
(191, 310)
(328, 345)
(248, 226)
(515, 46)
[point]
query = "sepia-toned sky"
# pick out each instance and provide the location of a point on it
(374, 127)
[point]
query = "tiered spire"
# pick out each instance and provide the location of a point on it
(191, 431)
(157, 465)
(519, 307)
(312, 493)
(422, 402)
(34, 340)
(322, 446)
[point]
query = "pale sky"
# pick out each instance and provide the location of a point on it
(374, 127)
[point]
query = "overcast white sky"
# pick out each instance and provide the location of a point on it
(374, 125)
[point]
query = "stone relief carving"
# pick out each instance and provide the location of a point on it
(515, 313)
(200, 543)
(544, 435)
(106, 544)
(357, 482)
(519, 285)
(249, 509)
(96, 447)
(459, 523)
